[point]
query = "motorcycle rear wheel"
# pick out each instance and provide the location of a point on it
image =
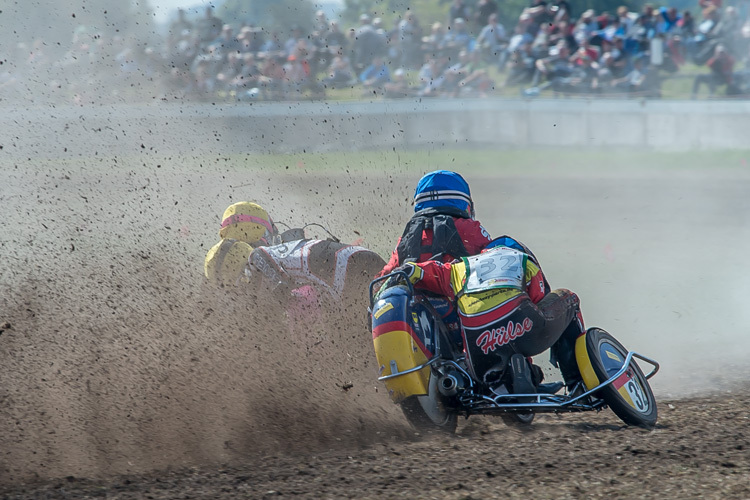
(428, 420)
(430, 412)
(630, 397)
(518, 420)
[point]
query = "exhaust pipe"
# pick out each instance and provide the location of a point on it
(450, 384)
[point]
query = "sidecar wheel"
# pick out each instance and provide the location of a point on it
(599, 357)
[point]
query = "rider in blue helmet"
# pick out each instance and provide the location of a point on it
(443, 227)
(507, 304)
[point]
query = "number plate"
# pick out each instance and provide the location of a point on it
(498, 268)
(640, 401)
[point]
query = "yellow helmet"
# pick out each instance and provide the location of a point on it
(226, 261)
(246, 221)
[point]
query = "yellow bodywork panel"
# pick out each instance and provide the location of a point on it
(399, 347)
(384, 309)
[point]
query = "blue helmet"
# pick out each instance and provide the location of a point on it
(506, 241)
(443, 188)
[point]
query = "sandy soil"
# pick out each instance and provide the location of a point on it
(122, 377)
(698, 450)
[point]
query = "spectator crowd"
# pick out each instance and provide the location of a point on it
(548, 48)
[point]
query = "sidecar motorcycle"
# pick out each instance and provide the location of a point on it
(425, 370)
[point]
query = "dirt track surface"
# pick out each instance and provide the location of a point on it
(121, 376)
(700, 449)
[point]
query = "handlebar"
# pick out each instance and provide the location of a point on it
(401, 274)
(298, 233)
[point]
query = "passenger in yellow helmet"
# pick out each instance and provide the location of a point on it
(249, 222)
(303, 275)
(226, 262)
(306, 269)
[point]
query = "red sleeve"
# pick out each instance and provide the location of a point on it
(474, 236)
(436, 277)
(536, 287)
(392, 264)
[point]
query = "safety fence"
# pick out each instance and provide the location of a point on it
(352, 126)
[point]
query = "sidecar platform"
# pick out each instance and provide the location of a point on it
(473, 403)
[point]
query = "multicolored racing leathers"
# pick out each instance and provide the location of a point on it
(504, 308)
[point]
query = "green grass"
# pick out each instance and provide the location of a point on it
(527, 162)
(538, 162)
(680, 84)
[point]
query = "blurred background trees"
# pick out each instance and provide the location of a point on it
(270, 14)
(57, 22)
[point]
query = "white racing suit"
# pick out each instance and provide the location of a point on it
(307, 274)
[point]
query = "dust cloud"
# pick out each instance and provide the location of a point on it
(653, 255)
(115, 359)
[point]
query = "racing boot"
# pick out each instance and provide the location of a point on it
(563, 356)
(537, 374)
(521, 376)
